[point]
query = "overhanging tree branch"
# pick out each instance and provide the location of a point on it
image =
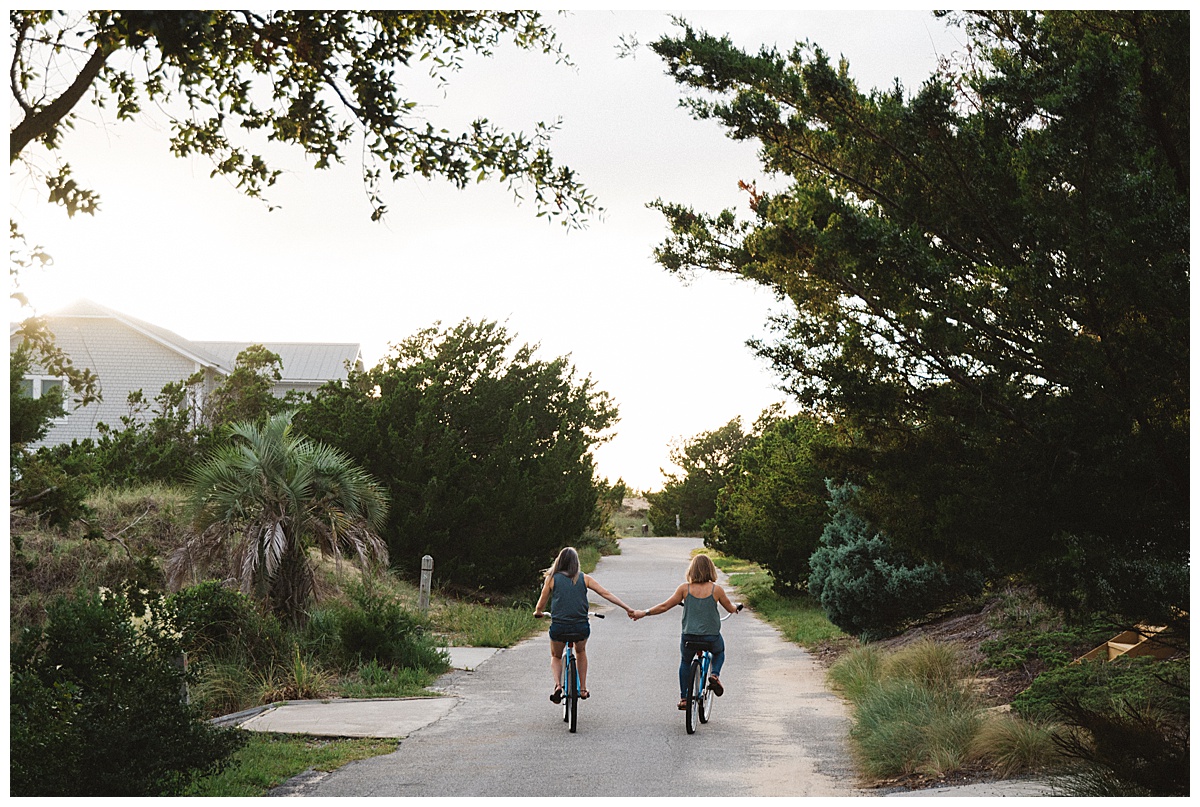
(38, 123)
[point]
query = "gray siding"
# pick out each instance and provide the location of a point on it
(123, 361)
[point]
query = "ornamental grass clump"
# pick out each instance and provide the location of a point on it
(908, 727)
(916, 713)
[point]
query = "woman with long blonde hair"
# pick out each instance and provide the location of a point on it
(565, 589)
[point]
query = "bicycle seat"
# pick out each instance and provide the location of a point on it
(693, 646)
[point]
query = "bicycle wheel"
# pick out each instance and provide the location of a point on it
(695, 692)
(706, 703)
(572, 700)
(566, 687)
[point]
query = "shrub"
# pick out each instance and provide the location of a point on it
(380, 629)
(97, 708)
(302, 678)
(1104, 686)
(1132, 724)
(216, 622)
(865, 585)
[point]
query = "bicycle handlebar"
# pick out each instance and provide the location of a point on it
(739, 608)
(596, 614)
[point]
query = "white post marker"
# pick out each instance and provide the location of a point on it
(426, 582)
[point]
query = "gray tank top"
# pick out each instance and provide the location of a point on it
(568, 601)
(700, 616)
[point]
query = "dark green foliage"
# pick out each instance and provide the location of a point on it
(28, 418)
(1104, 685)
(380, 629)
(214, 620)
(989, 283)
(37, 483)
(1134, 718)
(54, 482)
(97, 708)
(864, 584)
(157, 441)
(706, 462)
(484, 449)
(773, 507)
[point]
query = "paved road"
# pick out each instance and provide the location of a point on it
(776, 732)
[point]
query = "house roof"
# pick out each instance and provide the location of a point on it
(312, 362)
(86, 309)
(302, 361)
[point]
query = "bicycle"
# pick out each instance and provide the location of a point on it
(700, 697)
(570, 682)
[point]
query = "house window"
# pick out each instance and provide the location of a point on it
(37, 386)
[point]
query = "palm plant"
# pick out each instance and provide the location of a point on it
(267, 497)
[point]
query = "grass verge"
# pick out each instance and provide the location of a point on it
(269, 760)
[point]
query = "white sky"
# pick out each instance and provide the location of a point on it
(189, 253)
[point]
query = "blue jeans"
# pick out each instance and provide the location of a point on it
(716, 645)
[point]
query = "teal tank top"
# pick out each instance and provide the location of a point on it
(568, 601)
(700, 616)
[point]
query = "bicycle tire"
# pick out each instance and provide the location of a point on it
(706, 703)
(572, 715)
(566, 687)
(693, 697)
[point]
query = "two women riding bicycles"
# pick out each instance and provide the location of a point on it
(565, 589)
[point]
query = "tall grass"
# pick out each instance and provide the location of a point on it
(917, 713)
(1012, 744)
(472, 625)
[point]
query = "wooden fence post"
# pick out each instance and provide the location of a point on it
(426, 582)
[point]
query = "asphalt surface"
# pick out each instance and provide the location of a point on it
(777, 731)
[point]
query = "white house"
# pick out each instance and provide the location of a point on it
(128, 354)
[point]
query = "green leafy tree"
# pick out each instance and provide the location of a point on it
(245, 394)
(268, 497)
(327, 82)
(705, 462)
(988, 283)
(97, 706)
(485, 451)
(773, 507)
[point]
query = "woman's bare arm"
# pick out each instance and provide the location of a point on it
(595, 586)
(545, 598)
(723, 598)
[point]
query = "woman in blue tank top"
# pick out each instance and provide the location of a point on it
(566, 589)
(699, 597)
